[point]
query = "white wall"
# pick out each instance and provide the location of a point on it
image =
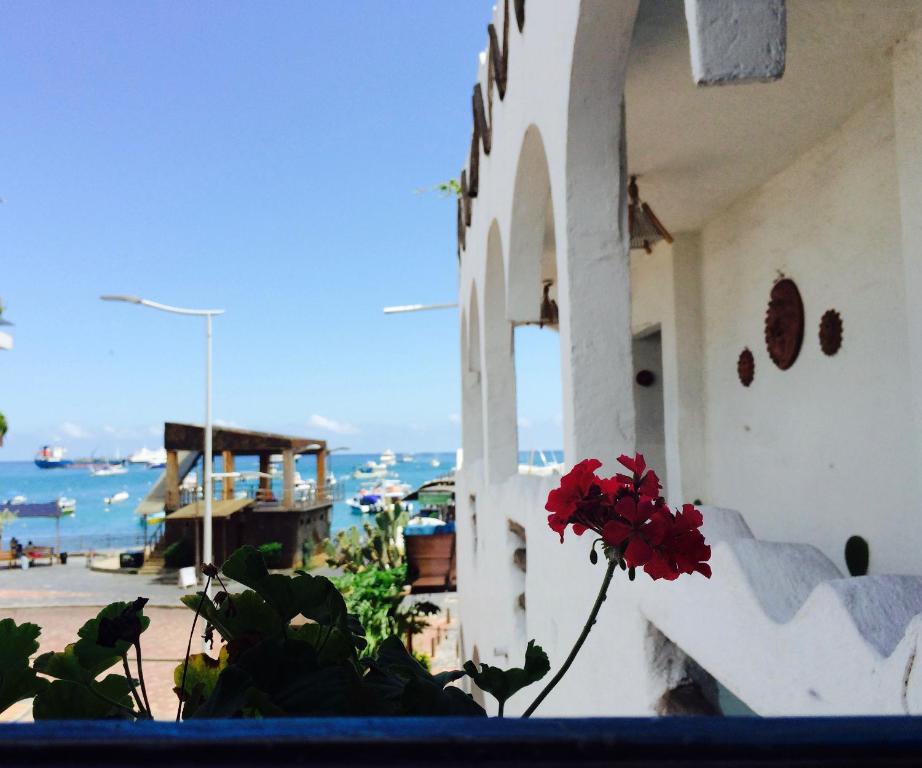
(823, 450)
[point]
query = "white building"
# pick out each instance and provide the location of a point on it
(772, 140)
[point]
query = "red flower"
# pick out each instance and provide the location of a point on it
(631, 517)
(574, 488)
(678, 545)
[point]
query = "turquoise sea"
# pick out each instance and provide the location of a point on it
(100, 526)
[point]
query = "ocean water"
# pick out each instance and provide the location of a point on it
(100, 526)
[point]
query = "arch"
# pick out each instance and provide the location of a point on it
(471, 391)
(594, 267)
(532, 239)
(500, 438)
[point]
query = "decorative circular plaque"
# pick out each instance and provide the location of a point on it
(746, 367)
(830, 332)
(645, 378)
(784, 324)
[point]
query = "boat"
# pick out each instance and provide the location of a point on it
(67, 506)
(107, 470)
(147, 456)
(388, 458)
(544, 469)
(370, 471)
(51, 457)
(116, 498)
(406, 458)
(434, 462)
(365, 503)
(18, 499)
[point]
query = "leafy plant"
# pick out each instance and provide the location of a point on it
(18, 680)
(3, 427)
(76, 691)
(272, 553)
(290, 647)
(375, 596)
(179, 554)
(502, 684)
(354, 552)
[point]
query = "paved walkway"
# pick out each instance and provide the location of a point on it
(75, 584)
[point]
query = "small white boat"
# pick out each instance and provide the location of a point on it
(18, 499)
(544, 469)
(116, 498)
(388, 458)
(370, 471)
(434, 462)
(67, 506)
(406, 458)
(107, 470)
(147, 456)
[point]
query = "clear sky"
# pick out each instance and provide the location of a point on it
(265, 158)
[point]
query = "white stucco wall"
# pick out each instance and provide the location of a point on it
(799, 450)
(808, 456)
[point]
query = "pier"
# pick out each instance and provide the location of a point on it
(251, 513)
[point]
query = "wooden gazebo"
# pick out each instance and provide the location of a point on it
(292, 519)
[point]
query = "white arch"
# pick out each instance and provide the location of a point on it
(500, 435)
(471, 390)
(532, 242)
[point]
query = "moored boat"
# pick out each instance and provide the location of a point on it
(51, 457)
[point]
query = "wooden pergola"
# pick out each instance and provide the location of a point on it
(240, 442)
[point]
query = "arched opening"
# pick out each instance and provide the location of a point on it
(471, 391)
(501, 440)
(532, 295)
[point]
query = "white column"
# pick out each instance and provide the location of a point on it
(595, 303)
(683, 374)
(907, 107)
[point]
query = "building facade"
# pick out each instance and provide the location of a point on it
(780, 333)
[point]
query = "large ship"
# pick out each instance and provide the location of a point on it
(51, 457)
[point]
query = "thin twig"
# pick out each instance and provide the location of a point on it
(134, 691)
(185, 666)
(609, 572)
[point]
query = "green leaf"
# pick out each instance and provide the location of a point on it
(409, 689)
(246, 566)
(504, 683)
(243, 615)
(331, 645)
(201, 678)
(68, 700)
(18, 680)
(90, 651)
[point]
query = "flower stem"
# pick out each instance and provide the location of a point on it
(137, 653)
(131, 685)
(185, 665)
(609, 572)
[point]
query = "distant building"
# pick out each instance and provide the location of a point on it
(768, 360)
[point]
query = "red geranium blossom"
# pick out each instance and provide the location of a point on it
(629, 514)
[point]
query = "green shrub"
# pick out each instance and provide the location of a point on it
(272, 553)
(374, 596)
(179, 554)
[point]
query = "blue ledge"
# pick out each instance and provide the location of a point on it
(441, 742)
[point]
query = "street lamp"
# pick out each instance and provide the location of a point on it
(207, 314)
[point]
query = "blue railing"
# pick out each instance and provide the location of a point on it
(442, 742)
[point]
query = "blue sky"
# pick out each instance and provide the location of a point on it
(261, 157)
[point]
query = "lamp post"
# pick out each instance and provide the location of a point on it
(207, 554)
